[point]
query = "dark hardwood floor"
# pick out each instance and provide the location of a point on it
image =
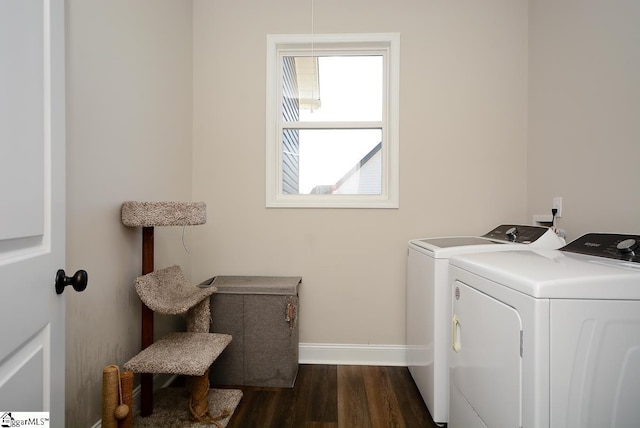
(329, 396)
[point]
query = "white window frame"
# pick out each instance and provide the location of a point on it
(279, 43)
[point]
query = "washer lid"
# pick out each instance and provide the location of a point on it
(447, 246)
(554, 274)
(452, 241)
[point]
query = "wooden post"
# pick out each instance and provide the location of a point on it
(146, 379)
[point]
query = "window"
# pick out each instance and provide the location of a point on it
(332, 120)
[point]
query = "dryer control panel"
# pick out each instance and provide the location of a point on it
(609, 245)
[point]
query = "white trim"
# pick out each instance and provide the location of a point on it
(352, 354)
(274, 198)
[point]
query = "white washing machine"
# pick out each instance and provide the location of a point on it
(429, 301)
(547, 338)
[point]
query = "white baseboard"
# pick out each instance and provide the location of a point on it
(352, 354)
(159, 381)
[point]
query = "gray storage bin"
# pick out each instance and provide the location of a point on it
(261, 314)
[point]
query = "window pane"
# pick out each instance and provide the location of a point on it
(334, 162)
(332, 88)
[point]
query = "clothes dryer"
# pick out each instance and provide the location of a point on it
(429, 301)
(547, 338)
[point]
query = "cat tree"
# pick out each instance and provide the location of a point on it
(166, 291)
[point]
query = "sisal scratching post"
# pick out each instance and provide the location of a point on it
(126, 382)
(114, 410)
(110, 381)
(199, 404)
(199, 401)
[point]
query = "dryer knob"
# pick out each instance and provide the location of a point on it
(627, 246)
(512, 234)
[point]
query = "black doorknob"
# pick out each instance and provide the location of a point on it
(78, 281)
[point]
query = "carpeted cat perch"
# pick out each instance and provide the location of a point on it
(188, 353)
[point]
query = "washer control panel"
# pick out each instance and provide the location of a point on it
(609, 245)
(521, 234)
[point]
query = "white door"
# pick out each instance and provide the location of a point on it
(32, 138)
(486, 361)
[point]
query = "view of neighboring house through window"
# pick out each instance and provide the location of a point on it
(343, 91)
(332, 121)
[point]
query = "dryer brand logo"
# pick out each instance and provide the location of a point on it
(457, 293)
(592, 244)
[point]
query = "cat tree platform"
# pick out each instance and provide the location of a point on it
(184, 353)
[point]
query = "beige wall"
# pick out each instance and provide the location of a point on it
(129, 77)
(584, 140)
(504, 104)
(463, 106)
